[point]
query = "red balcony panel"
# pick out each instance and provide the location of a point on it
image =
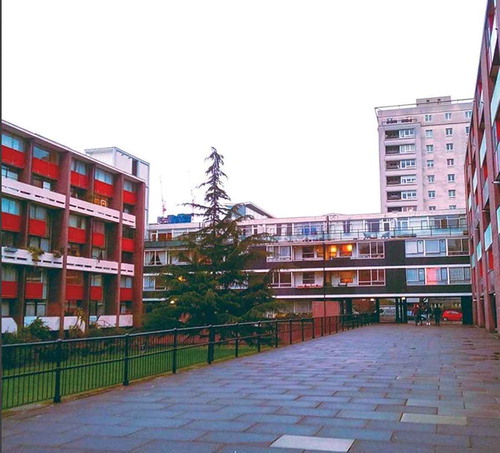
(125, 294)
(129, 197)
(103, 188)
(74, 292)
(11, 222)
(13, 157)
(77, 235)
(42, 167)
(34, 290)
(128, 245)
(9, 290)
(98, 240)
(79, 180)
(37, 227)
(96, 293)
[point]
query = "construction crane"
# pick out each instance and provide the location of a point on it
(163, 206)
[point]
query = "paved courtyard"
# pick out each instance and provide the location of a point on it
(384, 388)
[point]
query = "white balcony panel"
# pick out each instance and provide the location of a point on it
(22, 256)
(128, 219)
(128, 269)
(92, 265)
(52, 322)
(126, 320)
(84, 207)
(9, 325)
(29, 192)
(106, 321)
(495, 100)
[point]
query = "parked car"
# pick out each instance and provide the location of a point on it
(452, 315)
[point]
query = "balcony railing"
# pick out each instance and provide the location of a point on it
(29, 192)
(84, 207)
(12, 255)
(92, 265)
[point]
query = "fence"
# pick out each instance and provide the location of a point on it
(34, 372)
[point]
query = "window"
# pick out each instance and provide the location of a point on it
(125, 282)
(79, 167)
(430, 179)
(467, 129)
(12, 142)
(408, 179)
(432, 208)
(415, 276)
(95, 280)
(43, 183)
(429, 148)
(308, 278)
(458, 247)
(452, 193)
(409, 195)
(149, 283)
(346, 250)
(405, 149)
(44, 154)
(10, 173)
(370, 250)
(281, 279)
(279, 253)
(35, 275)
(435, 247)
(39, 243)
(447, 116)
(35, 308)
(468, 114)
(459, 275)
(38, 212)
(11, 206)
(449, 146)
(407, 163)
(371, 277)
(129, 186)
(428, 118)
(450, 162)
(452, 206)
(74, 278)
(9, 273)
(436, 276)
(449, 131)
(451, 177)
(76, 221)
(430, 164)
(99, 254)
(155, 258)
(414, 248)
(429, 133)
(103, 176)
(431, 194)
(404, 133)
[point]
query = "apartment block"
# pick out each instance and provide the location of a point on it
(482, 178)
(73, 231)
(421, 154)
(336, 263)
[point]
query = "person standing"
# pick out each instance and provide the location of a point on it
(437, 315)
(428, 314)
(414, 312)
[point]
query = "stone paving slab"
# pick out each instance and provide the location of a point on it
(386, 388)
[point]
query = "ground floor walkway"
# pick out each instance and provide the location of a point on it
(380, 388)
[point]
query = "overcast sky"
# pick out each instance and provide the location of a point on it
(284, 89)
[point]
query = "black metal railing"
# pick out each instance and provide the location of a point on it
(50, 370)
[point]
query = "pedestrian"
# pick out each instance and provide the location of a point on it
(414, 312)
(420, 313)
(428, 314)
(437, 315)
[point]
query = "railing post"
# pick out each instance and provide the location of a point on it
(57, 389)
(237, 340)
(314, 328)
(290, 330)
(174, 352)
(302, 327)
(126, 360)
(211, 338)
(336, 324)
(259, 330)
(322, 326)
(276, 332)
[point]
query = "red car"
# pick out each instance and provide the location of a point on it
(452, 315)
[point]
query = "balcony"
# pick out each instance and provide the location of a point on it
(95, 210)
(128, 219)
(110, 320)
(486, 194)
(79, 180)
(13, 157)
(52, 322)
(128, 269)
(79, 263)
(9, 325)
(495, 100)
(45, 168)
(11, 255)
(29, 192)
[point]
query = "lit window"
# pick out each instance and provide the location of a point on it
(428, 133)
(431, 194)
(430, 163)
(447, 116)
(449, 146)
(449, 131)
(429, 148)
(430, 179)
(452, 193)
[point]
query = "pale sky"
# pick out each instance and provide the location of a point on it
(284, 89)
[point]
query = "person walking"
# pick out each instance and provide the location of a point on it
(419, 316)
(437, 315)
(414, 312)
(428, 314)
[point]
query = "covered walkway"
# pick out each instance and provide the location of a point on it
(380, 388)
